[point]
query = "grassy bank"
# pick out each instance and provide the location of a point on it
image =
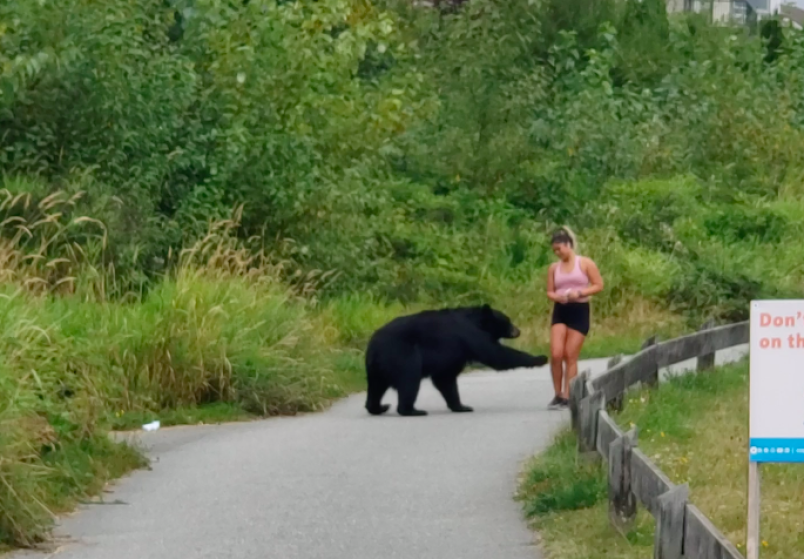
(696, 429)
(206, 344)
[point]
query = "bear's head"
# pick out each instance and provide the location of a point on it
(496, 323)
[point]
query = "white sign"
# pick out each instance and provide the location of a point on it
(776, 431)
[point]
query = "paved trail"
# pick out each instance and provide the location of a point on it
(335, 485)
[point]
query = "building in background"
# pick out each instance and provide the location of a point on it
(738, 11)
(792, 15)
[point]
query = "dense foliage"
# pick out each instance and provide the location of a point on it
(417, 152)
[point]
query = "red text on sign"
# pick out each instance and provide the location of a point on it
(772, 343)
(767, 319)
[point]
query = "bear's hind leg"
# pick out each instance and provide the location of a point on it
(408, 392)
(408, 383)
(448, 386)
(376, 390)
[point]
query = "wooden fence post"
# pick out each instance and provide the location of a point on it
(622, 501)
(577, 393)
(588, 410)
(681, 529)
(671, 508)
(706, 361)
(652, 378)
(702, 539)
(617, 403)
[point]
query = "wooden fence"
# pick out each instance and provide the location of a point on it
(682, 531)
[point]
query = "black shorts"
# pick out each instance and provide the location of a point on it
(573, 315)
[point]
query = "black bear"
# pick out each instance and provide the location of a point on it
(438, 344)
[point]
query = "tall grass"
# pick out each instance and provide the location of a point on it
(223, 328)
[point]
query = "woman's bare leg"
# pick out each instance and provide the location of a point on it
(558, 335)
(572, 350)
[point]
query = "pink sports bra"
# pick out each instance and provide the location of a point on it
(571, 281)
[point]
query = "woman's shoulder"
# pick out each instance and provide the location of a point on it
(586, 263)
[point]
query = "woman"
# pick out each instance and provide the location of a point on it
(570, 283)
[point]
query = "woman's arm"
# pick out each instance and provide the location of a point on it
(551, 293)
(594, 278)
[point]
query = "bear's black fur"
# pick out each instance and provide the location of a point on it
(438, 344)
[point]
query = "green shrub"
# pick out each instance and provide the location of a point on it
(558, 482)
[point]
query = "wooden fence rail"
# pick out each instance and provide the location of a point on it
(682, 531)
